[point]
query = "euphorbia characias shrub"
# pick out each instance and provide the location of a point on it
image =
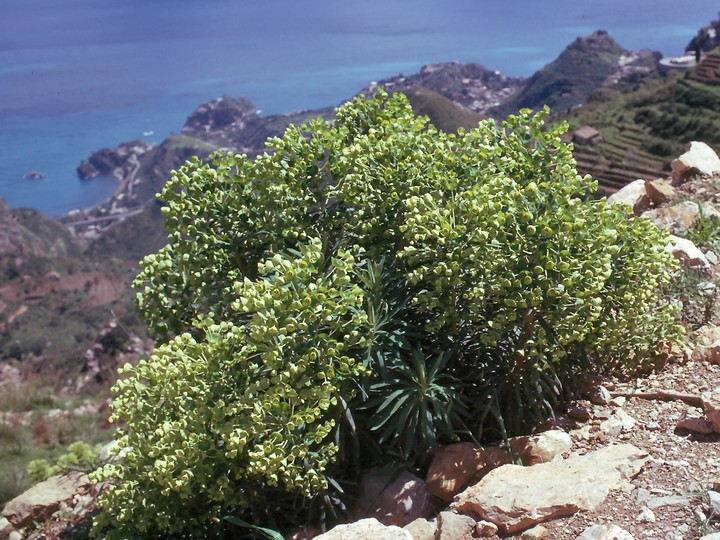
(296, 285)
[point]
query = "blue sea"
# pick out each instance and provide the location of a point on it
(79, 75)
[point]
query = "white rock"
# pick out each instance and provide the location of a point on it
(687, 252)
(714, 502)
(698, 158)
(633, 195)
(516, 498)
(365, 529)
(605, 532)
(647, 516)
(485, 529)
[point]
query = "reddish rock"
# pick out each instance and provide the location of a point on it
(393, 497)
(696, 425)
(660, 191)
(458, 465)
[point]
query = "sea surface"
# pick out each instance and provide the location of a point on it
(80, 75)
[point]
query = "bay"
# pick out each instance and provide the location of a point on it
(79, 75)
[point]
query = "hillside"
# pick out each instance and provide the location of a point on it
(584, 66)
(645, 121)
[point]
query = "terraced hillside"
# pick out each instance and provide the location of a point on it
(645, 123)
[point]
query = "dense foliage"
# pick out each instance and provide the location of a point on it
(372, 287)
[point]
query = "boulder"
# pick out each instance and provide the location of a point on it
(393, 497)
(698, 158)
(632, 195)
(687, 253)
(41, 500)
(605, 532)
(660, 191)
(457, 465)
(540, 448)
(365, 529)
(516, 498)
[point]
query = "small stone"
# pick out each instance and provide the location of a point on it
(600, 395)
(712, 536)
(642, 495)
(422, 529)
(581, 414)
(605, 532)
(714, 502)
(716, 483)
(5, 527)
(618, 401)
(711, 256)
(485, 529)
(632, 195)
(536, 532)
(15, 535)
(652, 426)
(667, 500)
(647, 516)
(454, 526)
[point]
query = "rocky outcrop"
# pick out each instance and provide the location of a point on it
(516, 498)
(116, 161)
(41, 500)
(633, 195)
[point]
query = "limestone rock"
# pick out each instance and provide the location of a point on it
(713, 536)
(599, 395)
(540, 448)
(698, 158)
(707, 334)
(365, 529)
(516, 498)
(456, 465)
(455, 526)
(605, 532)
(393, 497)
(422, 529)
(41, 500)
(687, 252)
(485, 529)
(660, 191)
(632, 195)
